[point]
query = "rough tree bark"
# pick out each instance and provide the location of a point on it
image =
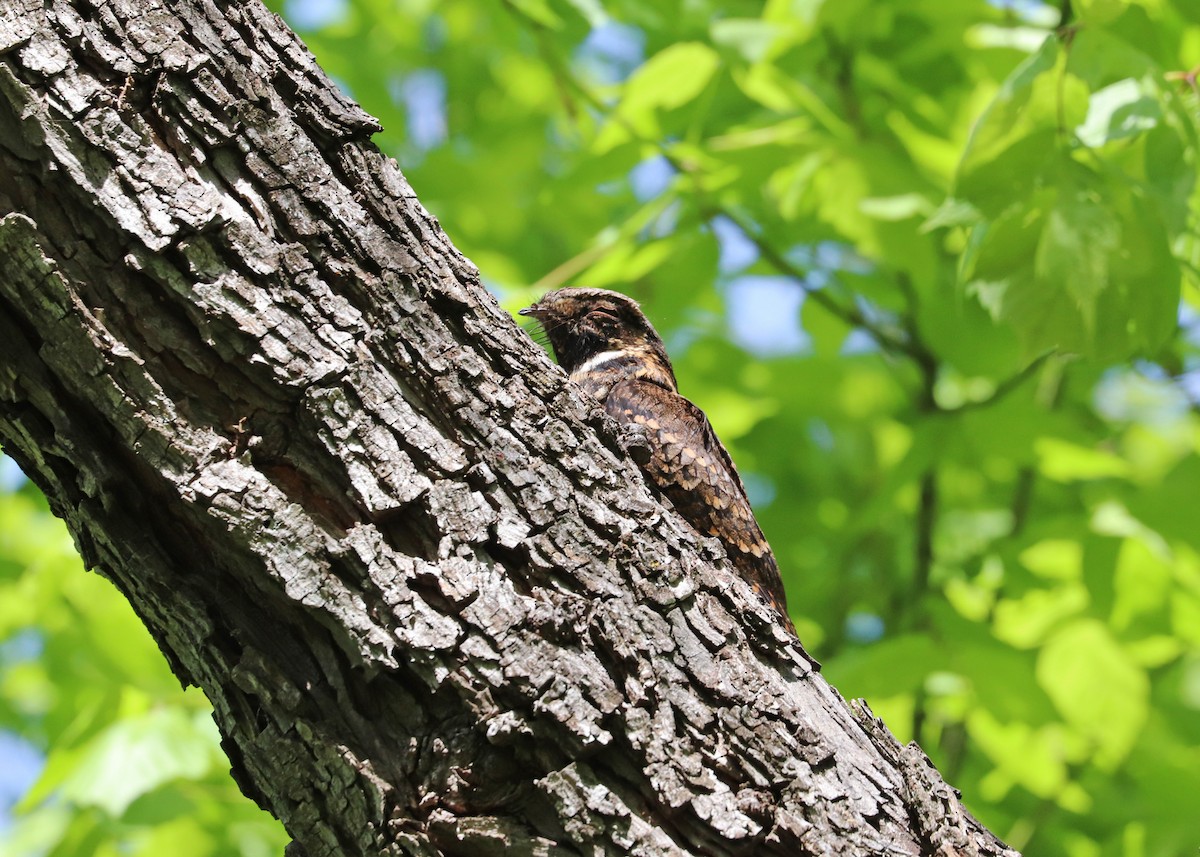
(435, 606)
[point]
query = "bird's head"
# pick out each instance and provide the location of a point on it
(583, 323)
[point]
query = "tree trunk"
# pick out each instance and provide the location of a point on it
(435, 606)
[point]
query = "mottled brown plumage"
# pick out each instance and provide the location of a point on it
(604, 342)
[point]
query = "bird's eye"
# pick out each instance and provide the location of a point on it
(604, 314)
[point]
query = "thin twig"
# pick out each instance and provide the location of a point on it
(1005, 387)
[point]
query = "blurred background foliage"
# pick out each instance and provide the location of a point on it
(931, 268)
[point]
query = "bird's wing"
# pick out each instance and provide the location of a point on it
(689, 464)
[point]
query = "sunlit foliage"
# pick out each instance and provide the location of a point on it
(931, 268)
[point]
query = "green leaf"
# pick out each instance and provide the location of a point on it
(1066, 462)
(1083, 266)
(827, 330)
(539, 11)
(1099, 11)
(753, 38)
(1054, 559)
(900, 207)
(734, 414)
(1103, 281)
(592, 12)
(1015, 139)
(138, 754)
(1097, 687)
(1078, 237)
(671, 78)
(1124, 109)
(1143, 583)
(1022, 754)
(1168, 509)
(890, 667)
(1002, 678)
(1185, 622)
(182, 837)
(1156, 651)
(627, 262)
(1027, 621)
(952, 212)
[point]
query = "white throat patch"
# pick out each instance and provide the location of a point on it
(596, 361)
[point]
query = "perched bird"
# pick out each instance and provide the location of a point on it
(604, 342)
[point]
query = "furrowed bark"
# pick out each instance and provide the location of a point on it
(435, 606)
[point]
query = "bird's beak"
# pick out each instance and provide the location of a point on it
(527, 311)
